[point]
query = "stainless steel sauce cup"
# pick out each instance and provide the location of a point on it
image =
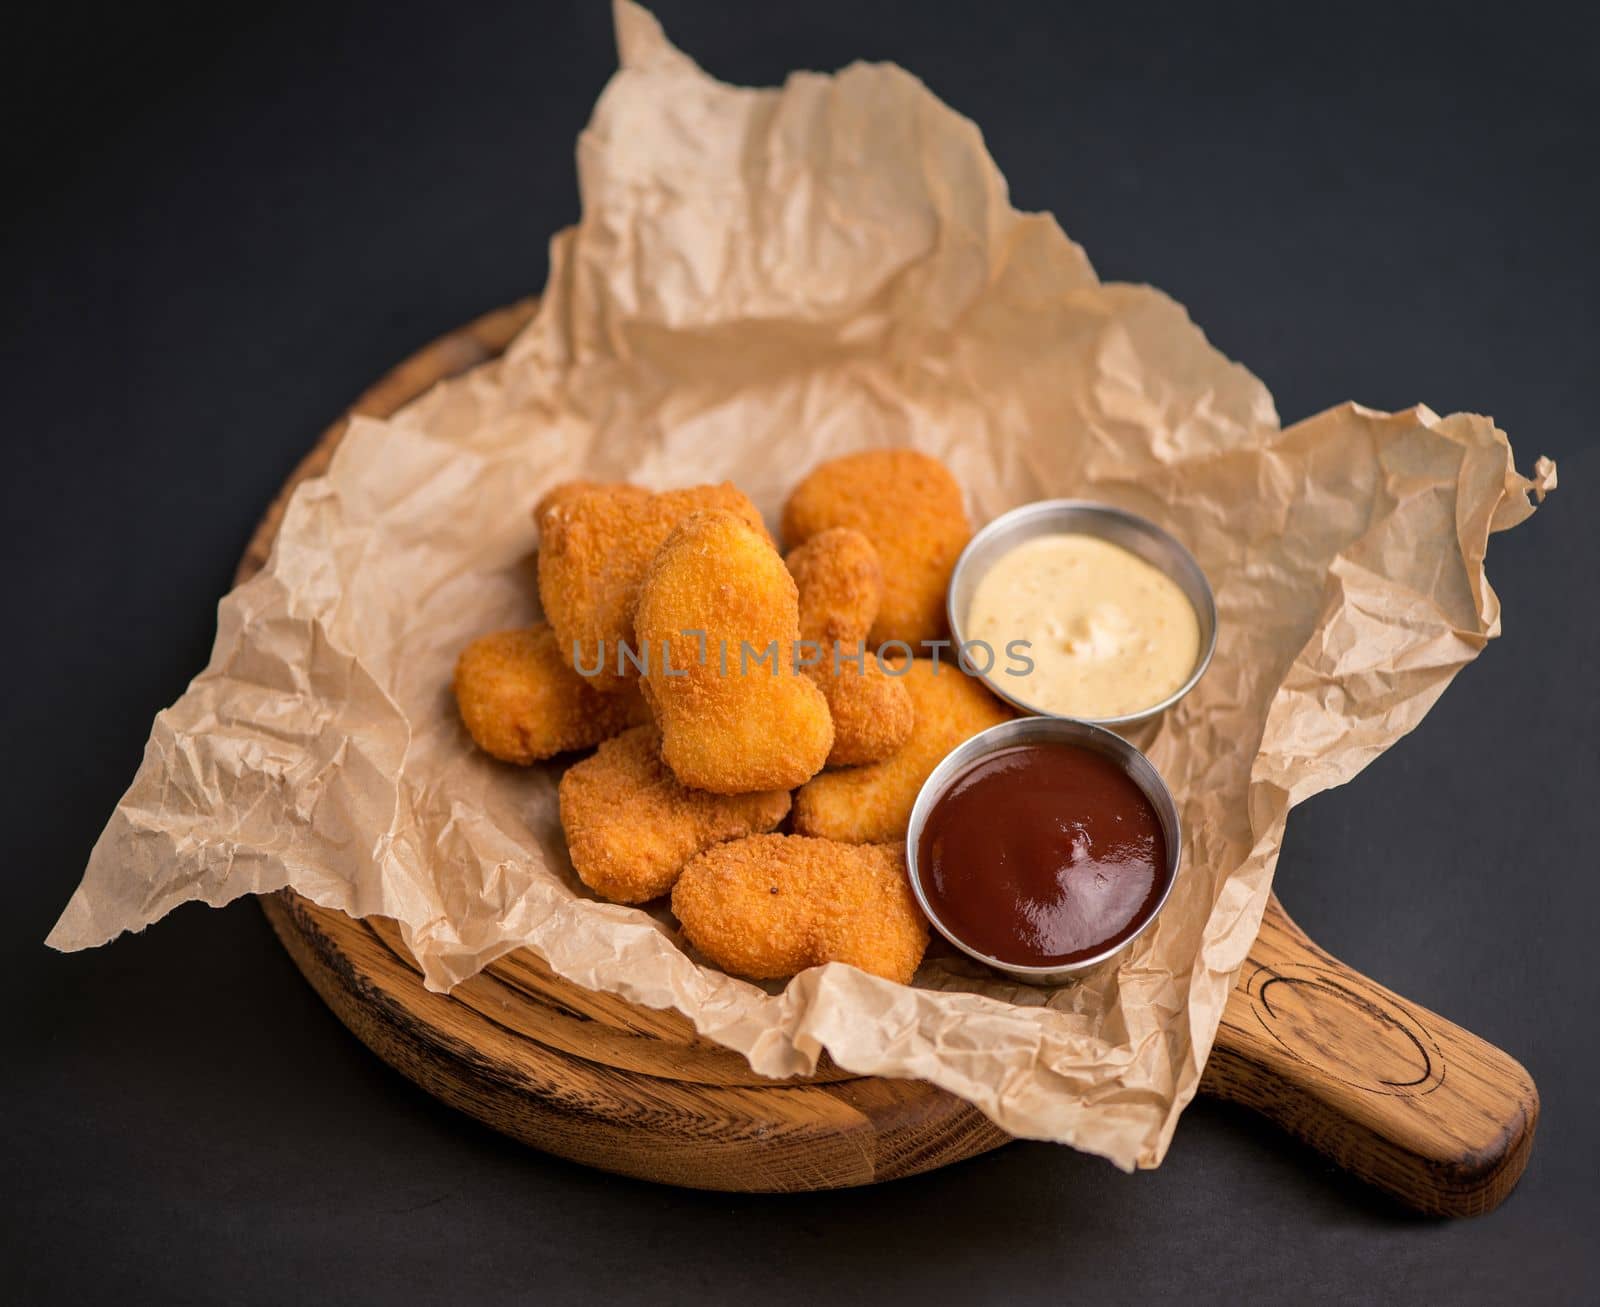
(1138, 536)
(1046, 730)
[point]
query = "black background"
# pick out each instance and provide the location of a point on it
(221, 225)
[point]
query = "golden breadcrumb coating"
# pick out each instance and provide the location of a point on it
(631, 825)
(595, 544)
(772, 905)
(840, 583)
(728, 724)
(909, 506)
(865, 805)
(872, 713)
(521, 702)
(568, 491)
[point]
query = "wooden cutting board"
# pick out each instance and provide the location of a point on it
(1389, 1091)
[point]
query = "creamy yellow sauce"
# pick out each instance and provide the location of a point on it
(1110, 634)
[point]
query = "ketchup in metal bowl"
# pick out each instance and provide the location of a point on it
(1043, 854)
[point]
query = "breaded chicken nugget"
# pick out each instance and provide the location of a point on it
(772, 905)
(866, 805)
(714, 600)
(594, 546)
(840, 583)
(909, 506)
(872, 713)
(521, 703)
(630, 824)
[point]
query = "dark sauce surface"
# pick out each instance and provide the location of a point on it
(1043, 854)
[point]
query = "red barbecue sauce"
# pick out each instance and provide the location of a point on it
(1043, 854)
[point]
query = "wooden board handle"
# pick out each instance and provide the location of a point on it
(1391, 1092)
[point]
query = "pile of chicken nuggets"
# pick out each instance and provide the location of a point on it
(728, 690)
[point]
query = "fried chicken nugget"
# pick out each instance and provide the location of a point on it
(522, 703)
(771, 905)
(872, 714)
(909, 506)
(595, 543)
(840, 582)
(631, 825)
(729, 724)
(866, 805)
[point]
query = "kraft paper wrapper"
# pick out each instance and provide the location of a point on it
(763, 279)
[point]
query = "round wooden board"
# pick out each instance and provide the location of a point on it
(1391, 1092)
(585, 1075)
(597, 1080)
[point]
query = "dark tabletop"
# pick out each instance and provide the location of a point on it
(222, 225)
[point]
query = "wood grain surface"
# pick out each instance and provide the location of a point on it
(1401, 1097)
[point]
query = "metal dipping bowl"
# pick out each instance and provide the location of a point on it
(1082, 517)
(1046, 730)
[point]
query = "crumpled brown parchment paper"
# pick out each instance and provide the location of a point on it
(762, 279)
